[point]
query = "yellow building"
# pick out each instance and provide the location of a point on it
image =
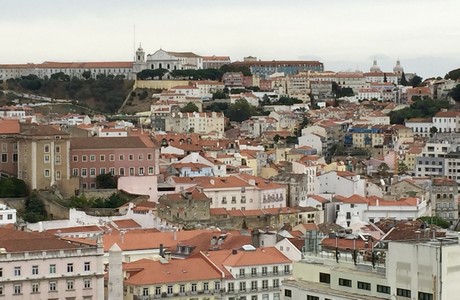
(43, 156)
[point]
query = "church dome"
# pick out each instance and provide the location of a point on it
(375, 67)
(398, 69)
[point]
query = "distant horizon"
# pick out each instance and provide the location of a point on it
(343, 35)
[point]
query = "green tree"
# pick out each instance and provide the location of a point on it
(151, 74)
(190, 107)
(61, 76)
(86, 75)
(382, 170)
(403, 80)
(219, 95)
(34, 209)
(415, 81)
(454, 74)
(402, 168)
(385, 77)
(455, 93)
(436, 221)
(240, 111)
(106, 181)
(433, 130)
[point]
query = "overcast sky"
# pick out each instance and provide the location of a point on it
(343, 34)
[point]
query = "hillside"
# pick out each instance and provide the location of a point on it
(105, 94)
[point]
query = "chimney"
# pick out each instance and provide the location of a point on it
(162, 253)
(234, 252)
(417, 236)
(377, 202)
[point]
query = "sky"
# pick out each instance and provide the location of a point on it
(345, 35)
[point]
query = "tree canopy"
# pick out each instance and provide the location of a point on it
(190, 107)
(34, 209)
(415, 81)
(151, 74)
(421, 108)
(455, 93)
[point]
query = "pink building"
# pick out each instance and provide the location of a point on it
(42, 266)
(121, 156)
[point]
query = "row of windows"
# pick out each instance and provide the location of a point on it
(17, 271)
(83, 172)
(383, 289)
(102, 157)
(264, 271)
(4, 158)
(52, 286)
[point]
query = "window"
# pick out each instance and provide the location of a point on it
(75, 158)
(46, 173)
(34, 270)
(264, 271)
(170, 289)
(254, 297)
(92, 172)
(46, 148)
(122, 171)
(141, 170)
(70, 284)
(83, 172)
(15, 157)
(131, 171)
(242, 286)
(224, 200)
(276, 283)
(345, 282)
(70, 267)
(158, 290)
(87, 266)
(217, 285)
(52, 269)
(309, 297)
(4, 157)
(324, 278)
(275, 270)
(57, 148)
(52, 286)
(205, 286)
(57, 159)
(149, 156)
(265, 284)
(140, 157)
(102, 171)
(111, 157)
(242, 272)
(253, 271)
(58, 175)
(87, 283)
(403, 293)
(1, 272)
(102, 157)
(84, 158)
(276, 296)
(121, 157)
(287, 269)
(254, 285)
(364, 285)
(145, 291)
(287, 293)
(46, 158)
(17, 289)
(17, 271)
(150, 170)
(182, 288)
(231, 287)
(425, 296)
(193, 287)
(92, 157)
(131, 157)
(35, 287)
